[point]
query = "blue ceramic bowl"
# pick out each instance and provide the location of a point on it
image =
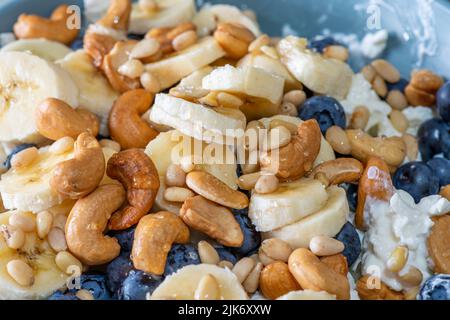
(311, 17)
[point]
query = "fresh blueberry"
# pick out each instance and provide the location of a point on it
(436, 288)
(446, 142)
(319, 45)
(77, 44)
(443, 101)
(117, 270)
(352, 196)
(226, 254)
(441, 168)
(179, 256)
(137, 284)
(417, 179)
(59, 295)
(125, 238)
(96, 284)
(400, 85)
(17, 149)
(432, 137)
(349, 236)
(326, 110)
(252, 238)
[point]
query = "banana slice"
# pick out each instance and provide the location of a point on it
(325, 222)
(182, 284)
(322, 75)
(221, 125)
(37, 253)
(250, 81)
(96, 94)
(209, 16)
(43, 48)
(171, 70)
(169, 14)
(290, 203)
(25, 81)
(307, 295)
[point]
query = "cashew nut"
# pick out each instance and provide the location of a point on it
(88, 220)
(295, 159)
(340, 170)
(55, 28)
(153, 240)
(125, 122)
(136, 171)
(78, 177)
(55, 119)
(118, 15)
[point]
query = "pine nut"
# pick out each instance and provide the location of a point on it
(177, 194)
(111, 144)
(57, 239)
(255, 257)
(62, 145)
(22, 221)
(186, 164)
(386, 70)
(255, 124)
(280, 123)
(264, 258)
(271, 52)
(325, 246)
(336, 52)
(14, 237)
(248, 181)
(184, 40)
(412, 146)
(150, 82)
(399, 120)
(252, 282)
(411, 294)
(267, 183)
(225, 264)
(276, 249)
(278, 138)
(84, 294)
(228, 100)
(413, 276)
(208, 254)
(24, 158)
(148, 5)
(322, 177)
(338, 140)
(379, 85)
(21, 272)
(243, 267)
(175, 176)
(208, 288)
(360, 118)
(262, 40)
(397, 100)
(210, 99)
(288, 109)
(64, 260)
(398, 258)
(369, 73)
(296, 97)
(145, 48)
(132, 69)
(44, 222)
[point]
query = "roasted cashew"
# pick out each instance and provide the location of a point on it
(125, 122)
(55, 119)
(88, 220)
(118, 15)
(136, 171)
(296, 158)
(340, 170)
(55, 28)
(153, 240)
(79, 176)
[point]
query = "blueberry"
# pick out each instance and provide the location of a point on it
(179, 256)
(226, 254)
(349, 236)
(77, 44)
(352, 196)
(400, 85)
(137, 284)
(443, 101)
(117, 270)
(326, 110)
(96, 284)
(319, 45)
(59, 295)
(17, 149)
(417, 179)
(441, 168)
(252, 238)
(436, 288)
(432, 137)
(125, 238)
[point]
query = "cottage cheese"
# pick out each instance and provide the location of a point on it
(373, 44)
(400, 222)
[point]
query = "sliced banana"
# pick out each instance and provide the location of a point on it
(39, 256)
(209, 16)
(174, 68)
(96, 94)
(183, 284)
(322, 75)
(307, 295)
(325, 222)
(169, 14)
(25, 81)
(221, 125)
(290, 203)
(250, 81)
(43, 48)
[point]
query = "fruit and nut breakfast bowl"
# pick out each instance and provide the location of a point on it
(165, 149)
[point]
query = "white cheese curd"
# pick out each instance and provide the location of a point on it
(399, 222)
(373, 44)
(416, 116)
